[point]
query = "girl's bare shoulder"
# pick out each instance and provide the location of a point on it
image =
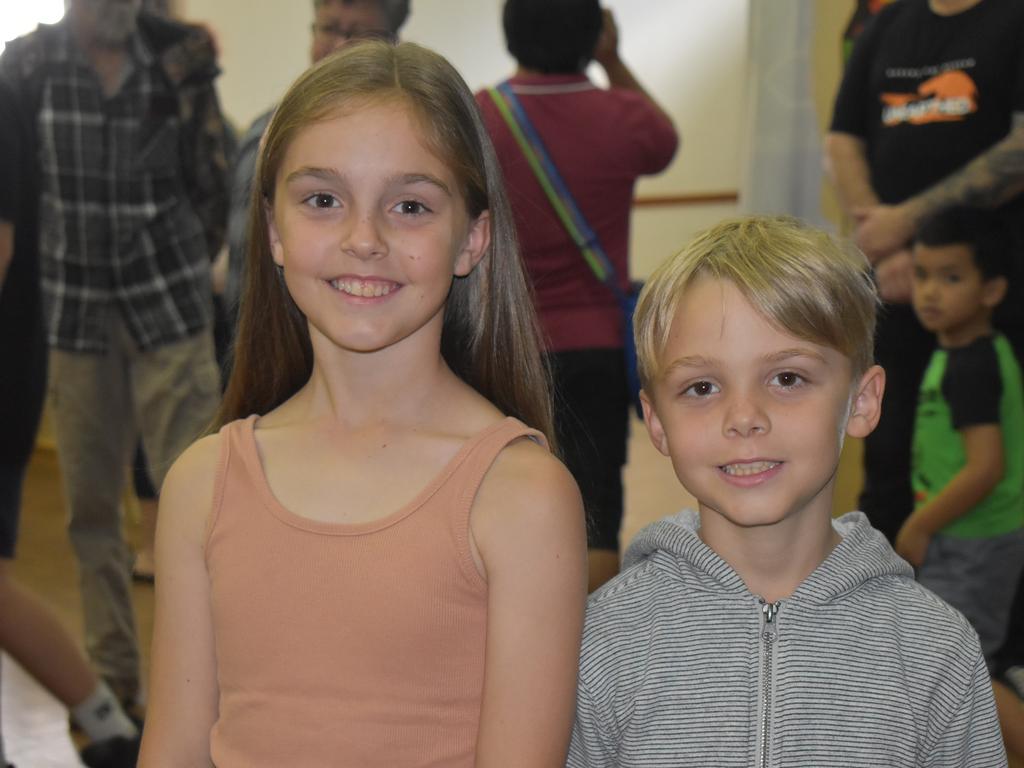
(198, 461)
(187, 492)
(527, 490)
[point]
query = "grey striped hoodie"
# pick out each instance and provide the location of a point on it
(682, 666)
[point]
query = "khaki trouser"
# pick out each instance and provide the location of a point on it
(102, 404)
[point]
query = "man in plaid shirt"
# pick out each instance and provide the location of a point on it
(130, 145)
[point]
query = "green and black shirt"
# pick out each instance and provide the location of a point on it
(969, 386)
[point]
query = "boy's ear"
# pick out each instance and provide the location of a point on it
(475, 246)
(276, 249)
(866, 408)
(993, 291)
(653, 423)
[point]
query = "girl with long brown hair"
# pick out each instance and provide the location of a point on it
(375, 560)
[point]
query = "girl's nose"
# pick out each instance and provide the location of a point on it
(362, 237)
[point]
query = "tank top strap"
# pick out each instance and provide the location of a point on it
(483, 454)
(237, 453)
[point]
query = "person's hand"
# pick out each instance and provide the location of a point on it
(882, 230)
(895, 277)
(607, 48)
(219, 272)
(912, 543)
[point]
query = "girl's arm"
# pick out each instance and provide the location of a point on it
(529, 528)
(183, 674)
(982, 471)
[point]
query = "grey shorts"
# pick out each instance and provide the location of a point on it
(978, 577)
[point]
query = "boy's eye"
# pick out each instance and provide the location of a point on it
(953, 278)
(411, 207)
(701, 389)
(787, 379)
(322, 200)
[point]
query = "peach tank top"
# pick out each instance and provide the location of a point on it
(347, 645)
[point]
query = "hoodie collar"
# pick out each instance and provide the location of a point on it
(863, 554)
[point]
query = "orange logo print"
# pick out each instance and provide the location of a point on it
(947, 97)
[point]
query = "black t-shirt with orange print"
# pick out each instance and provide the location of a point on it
(929, 93)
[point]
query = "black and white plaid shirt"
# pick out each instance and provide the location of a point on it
(119, 230)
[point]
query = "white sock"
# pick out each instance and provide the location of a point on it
(102, 717)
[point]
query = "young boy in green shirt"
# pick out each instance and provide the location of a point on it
(966, 533)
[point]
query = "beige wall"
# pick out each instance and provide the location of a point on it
(831, 17)
(691, 54)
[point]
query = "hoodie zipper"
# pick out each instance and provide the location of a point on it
(768, 636)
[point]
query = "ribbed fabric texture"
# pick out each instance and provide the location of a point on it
(864, 666)
(347, 645)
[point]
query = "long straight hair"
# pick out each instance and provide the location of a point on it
(491, 336)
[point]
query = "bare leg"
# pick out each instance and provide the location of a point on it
(33, 636)
(144, 565)
(1011, 718)
(604, 564)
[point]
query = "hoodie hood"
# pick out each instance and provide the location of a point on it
(862, 555)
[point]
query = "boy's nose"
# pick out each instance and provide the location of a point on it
(744, 417)
(926, 290)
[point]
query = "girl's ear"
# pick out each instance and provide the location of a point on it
(866, 408)
(993, 292)
(475, 246)
(276, 249)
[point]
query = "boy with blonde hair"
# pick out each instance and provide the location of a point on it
(757, 630)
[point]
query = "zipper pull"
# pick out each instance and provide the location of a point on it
(769, 611)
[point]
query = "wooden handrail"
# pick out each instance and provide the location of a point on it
(698, 198)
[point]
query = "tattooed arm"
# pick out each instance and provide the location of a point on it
(991, 179)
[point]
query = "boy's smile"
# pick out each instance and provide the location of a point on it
(752, 417)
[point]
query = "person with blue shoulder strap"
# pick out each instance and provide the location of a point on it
(600, 141)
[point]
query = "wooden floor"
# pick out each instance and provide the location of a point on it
(35, 726)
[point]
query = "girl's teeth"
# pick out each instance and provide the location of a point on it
(749, 469)
(363, 288)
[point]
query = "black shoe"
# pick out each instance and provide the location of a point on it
(115, 752)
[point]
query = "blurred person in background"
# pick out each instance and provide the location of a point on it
(601, 141)
(335, 24)
(29, 631)
(929, 117)
(129, 143)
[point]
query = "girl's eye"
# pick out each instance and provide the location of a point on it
(700, 389)
(411, 207)
(322, 200)
(788, 379)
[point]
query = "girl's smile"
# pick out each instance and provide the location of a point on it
(370, 229)
(364, 287)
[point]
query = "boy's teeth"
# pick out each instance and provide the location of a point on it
(752, 468)
(363, 288)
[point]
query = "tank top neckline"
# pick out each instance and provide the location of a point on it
(252, 458)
